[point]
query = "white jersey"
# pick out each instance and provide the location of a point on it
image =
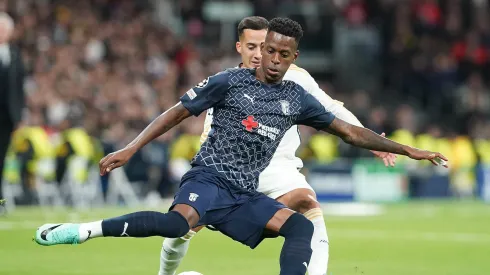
(286, 152)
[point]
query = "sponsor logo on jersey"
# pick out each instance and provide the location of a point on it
(250, 123)
(249, 98)
(267, 131)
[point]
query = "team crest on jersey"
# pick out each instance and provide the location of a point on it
(203, 83)
(284, 107)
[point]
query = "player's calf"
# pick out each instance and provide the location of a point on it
(146, 224)
(296, 251)
(319, 243)
(304, 201)
(139, 224)
(173, 251)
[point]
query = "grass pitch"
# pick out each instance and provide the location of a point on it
(414, 238)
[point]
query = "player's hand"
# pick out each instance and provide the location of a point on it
(115, 160)
(389, 159)
(433, 157)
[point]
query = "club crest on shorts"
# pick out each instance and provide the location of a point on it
(203, 83)
(193, 196)
(284, 107)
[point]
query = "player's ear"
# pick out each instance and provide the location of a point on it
(262, 45)
(238, 46)
(296, 54)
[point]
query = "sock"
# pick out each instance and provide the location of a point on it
(90, 230)
(319, 243)
(296, 251)
(173, 251)
(146, 224)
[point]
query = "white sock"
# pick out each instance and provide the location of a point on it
(90, 230)
(319, 243)
(173, 251)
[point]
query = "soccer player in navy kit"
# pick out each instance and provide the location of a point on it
(253, 108)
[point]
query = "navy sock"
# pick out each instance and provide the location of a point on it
(296, 251)
(146, 224)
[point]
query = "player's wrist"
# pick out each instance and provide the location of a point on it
(408, 151)
(131, 148)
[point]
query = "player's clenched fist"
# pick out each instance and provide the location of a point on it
(115, 160)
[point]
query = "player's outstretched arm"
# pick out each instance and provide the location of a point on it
(305, 80)
(365, 138)
(156, 128)
(339, 110)
(203, 96)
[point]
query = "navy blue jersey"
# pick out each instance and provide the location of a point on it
(250, 119)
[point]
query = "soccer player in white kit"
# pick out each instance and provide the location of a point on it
(281, 180)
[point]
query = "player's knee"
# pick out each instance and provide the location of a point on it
(188, 212)
(307, 201)
(172, 225)
(297, 226)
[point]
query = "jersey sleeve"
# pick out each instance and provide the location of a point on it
(208, 93)
(313, 113)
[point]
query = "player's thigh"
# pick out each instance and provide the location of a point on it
(194, 197)
(247, 223)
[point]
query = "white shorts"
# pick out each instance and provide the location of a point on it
(279, 179)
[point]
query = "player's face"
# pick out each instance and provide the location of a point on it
(249, 47)
(278, 52)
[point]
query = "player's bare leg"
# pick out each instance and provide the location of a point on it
(297, 232)
(174, 224)
(174, 250)
(304, 201)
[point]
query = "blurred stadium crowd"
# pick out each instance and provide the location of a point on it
(98, 71)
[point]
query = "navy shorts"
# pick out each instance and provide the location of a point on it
(239, 214)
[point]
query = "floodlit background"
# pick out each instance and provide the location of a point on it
(98, 71)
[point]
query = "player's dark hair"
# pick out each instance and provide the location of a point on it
(287, 27)
(255, 23)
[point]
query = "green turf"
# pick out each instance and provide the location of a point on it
(433, 238)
